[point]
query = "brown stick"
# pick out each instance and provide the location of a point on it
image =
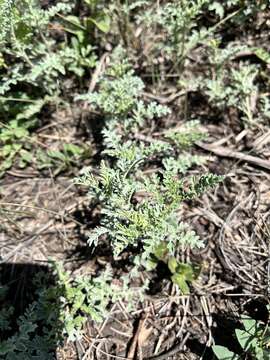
(225, 152)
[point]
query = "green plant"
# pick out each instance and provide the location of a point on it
(61, 159)
(41, 60)
(58, 310)
(254, 340)
(15, 134)
(181, 273)
(236, 87)
(183, 27)
(87, 298)
(181, 34)
(36, 77)
(36, 333)
(12, 138)
(139, 211)
(178, 21)
(18, 146)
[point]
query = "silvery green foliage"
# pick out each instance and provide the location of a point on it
(8, 81)
(182, 163)
(187, 135)
(235, 84)
(43, 60)
(6, 17)
(238, 88)
(117, 96)
(20, 19)
(60, 311)
(179, 16)
(128, 7)
(219, 57)
(179, 20)
(38, 329)
(139, 211)
(243, 88)
(87, 298)
(248, 8)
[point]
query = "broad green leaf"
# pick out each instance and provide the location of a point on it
(246, 340)
(73, 149)
(260, 353)
(56, 155)
(6, 164)
(180, 281)
(26, 156)
(185, 270)
(172, 264)
(6, 134)
(222, 353)
(161, 251)
(81, 36)
(6, 150)
(13, 124)
(20, 132)
(102, 22)
(74, 20)
(263, 55)
(249, 325)
(75, 26)
(43, 160)
(16, 147)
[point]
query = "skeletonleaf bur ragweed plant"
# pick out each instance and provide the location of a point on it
(139, 201)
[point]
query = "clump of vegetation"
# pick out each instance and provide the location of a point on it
(36, 80)
(146, 223)
(58, 310)
(253, 339)
(242, 93)
(144, 169)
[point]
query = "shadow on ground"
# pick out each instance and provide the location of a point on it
(30, 326)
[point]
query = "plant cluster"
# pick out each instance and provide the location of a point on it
(138, 210)
(143, 177)
(186, 35)
(17, 145)
(237, 88)
(254, 340)
(36, 332)
(48, 46)
(57, 311)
